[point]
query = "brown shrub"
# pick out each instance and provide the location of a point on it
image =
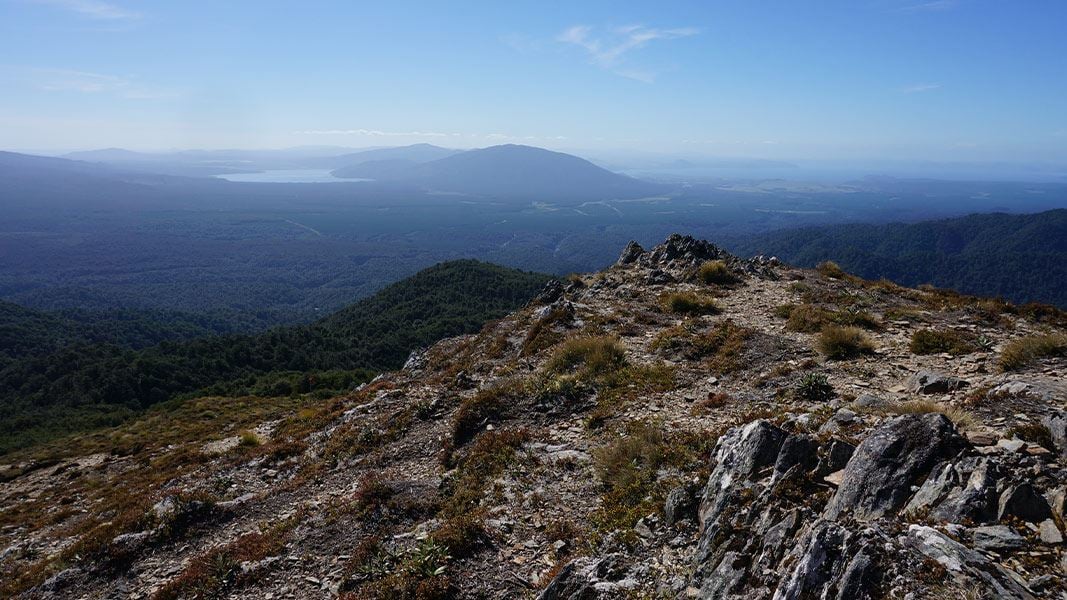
(1023, 351)
(716, 272)
(934, 341)
(839, 343)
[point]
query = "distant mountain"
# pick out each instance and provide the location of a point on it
(1020, 257)
(80, 384)
(511, 171)
(408, 155)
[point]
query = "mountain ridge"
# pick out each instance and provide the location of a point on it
(685, 423)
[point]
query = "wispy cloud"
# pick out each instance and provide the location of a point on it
(920, 87)
(609, 49)
(94, 9)
(933, 5)
(84, 82)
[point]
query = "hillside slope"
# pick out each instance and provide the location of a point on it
(510, 171)
(81, 385)
(1019, 257)
(685, 424)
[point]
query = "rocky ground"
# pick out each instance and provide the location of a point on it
(683, 424)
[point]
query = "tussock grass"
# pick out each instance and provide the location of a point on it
(1023, 351)
(590, 357)
(841, 343)
(688, 303)
(831, 269)
(934, 341)
(488, 405)
(808, 318)
(715, 272)
(961, 418)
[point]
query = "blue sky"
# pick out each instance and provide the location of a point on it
(860, 79)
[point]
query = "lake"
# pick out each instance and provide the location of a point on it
(287, 176)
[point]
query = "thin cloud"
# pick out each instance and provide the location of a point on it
(94, 9)
(920, 87)
(610, 49)
(934, 5)
(84, 82)
(495, 136)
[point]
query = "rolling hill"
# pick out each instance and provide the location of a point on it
(81, 385)
(1019, 257)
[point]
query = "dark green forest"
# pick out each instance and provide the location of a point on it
(1022, 258)
(60, 375)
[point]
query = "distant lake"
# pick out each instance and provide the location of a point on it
(287, 176)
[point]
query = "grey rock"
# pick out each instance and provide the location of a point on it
(1050, 534)
(930, 382)
(552, 292)
(869, 401)
(896, 456)
(1057, 426)
(996, 538)
(956, 491)
(834, 457)
(967, 565)
(1012, 445)
(589, 579)
(630, 253)
(681, 504)
(797, 449)
(1024, 502)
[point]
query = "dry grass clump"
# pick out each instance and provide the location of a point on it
(627, 470)
(590, 357)
(1023, 351)
(488, 405)
(487, 457)
(829, 268)
(1034, 433)
(808, 318)
(934, 341)
(722, 344)
(542, 334)
(688, 303)
(961, 418)
(715, 272)
(840, 343)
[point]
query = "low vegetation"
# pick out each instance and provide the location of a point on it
(809, 318)
(961, 418)
(715, 272)
(813, 387)
(688, 303)
(721, 345)
(935, 341)
(588, 357)
(1023, 351)
(841, 343)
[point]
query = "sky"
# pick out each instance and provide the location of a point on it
(944, 80)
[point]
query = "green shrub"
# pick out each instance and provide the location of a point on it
(934, 341)
(813, 387)
(688, 303)
(716, 272)
(1023, 351)
(1034, 433)
(839, 343)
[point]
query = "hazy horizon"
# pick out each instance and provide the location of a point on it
(947, 80)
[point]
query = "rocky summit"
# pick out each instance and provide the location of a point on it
(683, 424)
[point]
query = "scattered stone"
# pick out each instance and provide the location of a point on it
(1050, 534)
(681, 504)
(1023, 502)
(1012, 445)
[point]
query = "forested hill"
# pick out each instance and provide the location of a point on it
(1020, 257)
(84, 385)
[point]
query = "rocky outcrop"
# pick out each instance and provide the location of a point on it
(771, 527)
(900, 454)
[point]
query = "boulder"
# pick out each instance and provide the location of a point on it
(590, 578)
(896, 456)
(1057, 426)
(996, 538)
(967, 566)
(681, 504)
(930, 382)
(1022, 501)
